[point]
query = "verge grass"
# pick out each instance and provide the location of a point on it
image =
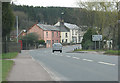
(9, 55)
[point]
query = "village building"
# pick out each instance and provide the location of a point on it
(70, 33)
(50, 34)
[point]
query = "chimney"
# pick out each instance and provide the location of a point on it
(62, 23)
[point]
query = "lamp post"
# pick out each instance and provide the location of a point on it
(62, 13)
(26, 38)
(17, 27)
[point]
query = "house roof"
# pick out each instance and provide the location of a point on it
(71, 26)
(48, 27)
(63, 29)
(68, 25)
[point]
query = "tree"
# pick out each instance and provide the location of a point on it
(7, 19)
(7, 23)
(30, 39)
(41, 42)
(105, 13)
(87, 42)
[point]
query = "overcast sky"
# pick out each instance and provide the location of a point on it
(61, 3)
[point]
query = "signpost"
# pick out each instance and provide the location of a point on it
(97, 38)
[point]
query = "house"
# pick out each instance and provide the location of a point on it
(64, 32)
(50, 34)
(72, 34)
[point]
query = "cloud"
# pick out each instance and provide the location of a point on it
(61, 3)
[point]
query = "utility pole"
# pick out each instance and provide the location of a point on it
(17, 27)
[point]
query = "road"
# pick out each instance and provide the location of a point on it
(77, 66)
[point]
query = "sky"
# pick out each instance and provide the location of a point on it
(45, 3)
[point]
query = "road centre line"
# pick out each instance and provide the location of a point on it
(91, 60)
(68, 56)
(106, 63)
(88, 60)
(75, 57)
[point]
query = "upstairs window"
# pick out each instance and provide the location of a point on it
(52, 34)
(46, 34)
(66, 35)
(57, 34)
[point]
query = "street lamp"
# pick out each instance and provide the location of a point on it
(25, 31)
(62, 16)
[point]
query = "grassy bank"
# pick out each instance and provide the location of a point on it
(6, 67)
(112, 52)
(9, 55)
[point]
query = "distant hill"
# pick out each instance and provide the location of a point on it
(29, 15)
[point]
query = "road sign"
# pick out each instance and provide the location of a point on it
(96, 37)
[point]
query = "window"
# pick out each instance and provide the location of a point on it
(57, 41)
(79, 38)
(57, 34)
(52, 34)
(76, 32)
(66, 40)
(47, 42)
(72, 32)
(66, 35)
(62, 40)
(52, 41)
(46, 34)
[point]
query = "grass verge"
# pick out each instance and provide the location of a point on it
(6, 67)
(112, 52)
(85, 50)
(9, 55)
(7, 64)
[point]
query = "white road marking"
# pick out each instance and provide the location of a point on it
(68, 56)
(75, 57)
(88, 60)
(106, 63)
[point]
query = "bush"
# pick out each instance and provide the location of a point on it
(41, 42)
(87, 42)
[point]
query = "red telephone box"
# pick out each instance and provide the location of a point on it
(20, 41)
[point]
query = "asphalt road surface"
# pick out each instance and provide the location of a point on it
(77, 66)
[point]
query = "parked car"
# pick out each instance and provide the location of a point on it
(57, 47)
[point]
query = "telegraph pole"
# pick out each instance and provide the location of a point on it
(17, 27)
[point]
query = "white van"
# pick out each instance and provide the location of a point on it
(57, 47)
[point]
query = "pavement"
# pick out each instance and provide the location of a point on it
(27, 69)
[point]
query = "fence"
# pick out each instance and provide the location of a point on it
(11, 47)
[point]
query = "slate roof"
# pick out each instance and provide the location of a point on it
(48, 27)
(68, 25)
(62, 29)
(71, 26)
